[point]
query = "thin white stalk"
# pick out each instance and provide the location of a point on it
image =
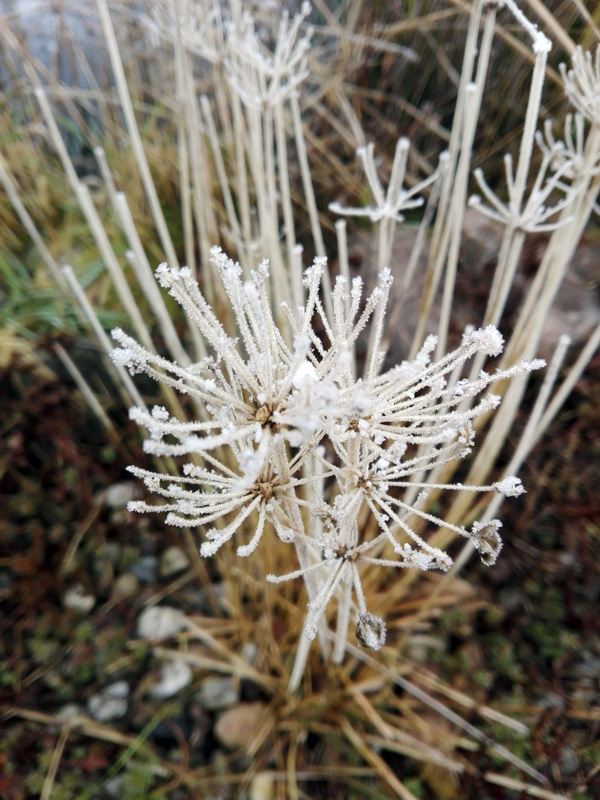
(345, 592)
(286, 200)
(466, 76)
(279, 275)
(387, 232)
(299, 667)
(567, 385)
(134, 133)
(93, 220)
(530, 127)
(304, 555)
(309, 196)
(107, 177)
(425, 224)
(221, 171)
(448, 203)
(149, 286)
(461, 180)
(343, 618)
(241, 172)
(344, 268)
(257, 167)
(182, 143)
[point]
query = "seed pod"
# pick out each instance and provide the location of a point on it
(371, 631)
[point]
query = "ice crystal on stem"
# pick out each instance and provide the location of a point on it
(286, 410)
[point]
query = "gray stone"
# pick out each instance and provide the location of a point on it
(237, 726)
(175, 675)
(569, 763)
(110, 703)
(172, 561)
(76, 599)
(217, 693)
(161, 622)
(119, 494)
(125, 585)
(145, 569)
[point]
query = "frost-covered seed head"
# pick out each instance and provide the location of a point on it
(280, 416)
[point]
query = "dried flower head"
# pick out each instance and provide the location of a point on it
(286, 413)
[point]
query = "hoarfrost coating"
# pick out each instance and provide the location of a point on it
(292, 441)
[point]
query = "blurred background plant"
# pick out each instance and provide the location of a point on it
(158, 107)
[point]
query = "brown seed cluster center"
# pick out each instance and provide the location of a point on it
(265, 489)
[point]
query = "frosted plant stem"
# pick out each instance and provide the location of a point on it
(387, 230)
(221, 171)
(350, 540)
(309, 195)
(437, 255)
(508, 261)
(300, 659)
(145, 278)
(567, 385)
(281, 281)
(473, 97)
(221, 92)
(466, 76)
(204, 212)
(286, 203)
(304, 555)
(344, 264)
(134, 133)
(531, 119)
(182, 141)
(514, 236)
(448, 202)
(472, 106)
(343, 618)
(430, 209)
(107, 177)
(257, 166)
(396, 312)
(93, 220)
(241, 173)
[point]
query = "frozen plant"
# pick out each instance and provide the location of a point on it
(285, 419)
